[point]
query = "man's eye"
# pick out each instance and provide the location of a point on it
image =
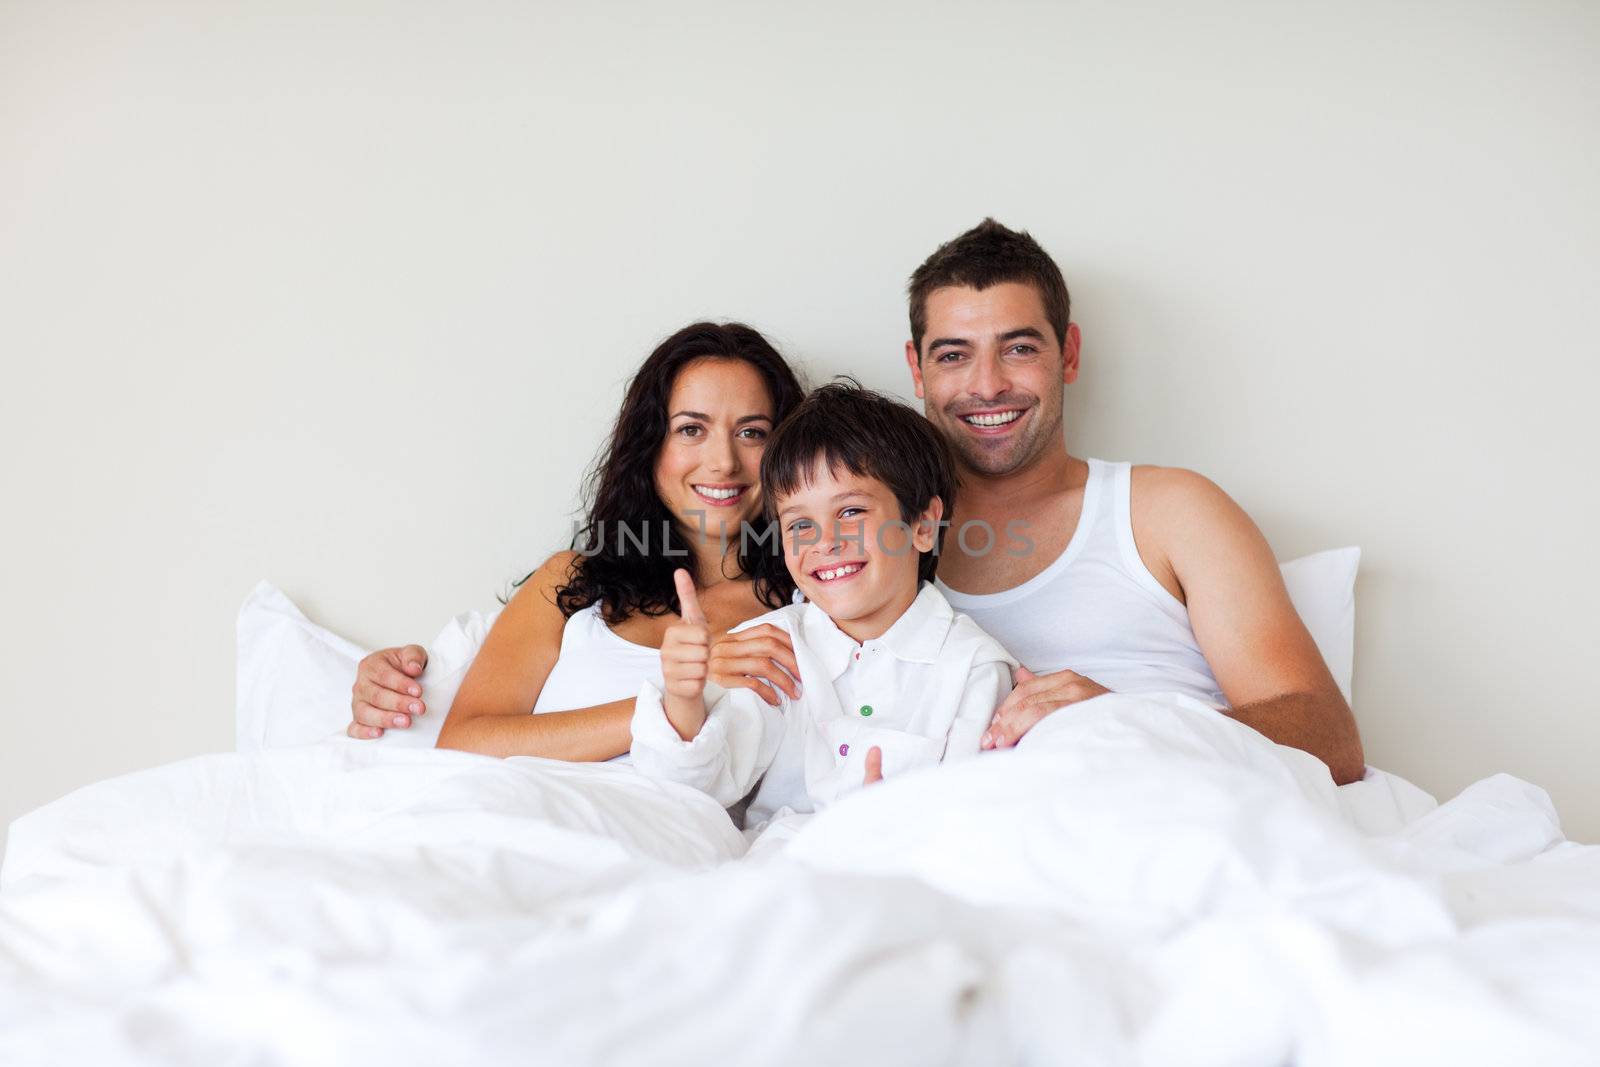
(947, 357)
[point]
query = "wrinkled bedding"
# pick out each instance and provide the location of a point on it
(1142, 881)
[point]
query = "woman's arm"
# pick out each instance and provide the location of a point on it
(491, 713)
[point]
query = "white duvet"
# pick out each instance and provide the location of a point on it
(1142, 881)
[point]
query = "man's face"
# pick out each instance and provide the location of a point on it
(991, 375)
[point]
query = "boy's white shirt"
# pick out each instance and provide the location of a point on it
(922, 692)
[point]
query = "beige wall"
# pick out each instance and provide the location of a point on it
(344, 301)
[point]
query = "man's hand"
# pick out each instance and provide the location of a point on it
(1035, 697)
(685, 660)
(386, 693)
(760, 659)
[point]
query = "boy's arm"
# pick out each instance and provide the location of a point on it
(722, 753)
(988, 684)
(724, 759)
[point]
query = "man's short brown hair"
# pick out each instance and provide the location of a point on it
(989, 254)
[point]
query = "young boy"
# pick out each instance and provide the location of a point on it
(892, 677)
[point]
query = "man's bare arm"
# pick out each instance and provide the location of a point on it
(1205, 550)
(1318, 723)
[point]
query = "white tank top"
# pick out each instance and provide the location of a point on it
(1097, 609)
(596, 667)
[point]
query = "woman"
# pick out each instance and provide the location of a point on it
(584, 631)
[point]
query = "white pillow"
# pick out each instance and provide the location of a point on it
(294, 677)
(1323, 589)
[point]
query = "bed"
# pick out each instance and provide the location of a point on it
(1141, 881)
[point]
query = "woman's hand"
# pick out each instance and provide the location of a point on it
(760, 659)
(685, 658)
(386, 693)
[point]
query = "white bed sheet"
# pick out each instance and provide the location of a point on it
(1142, 881)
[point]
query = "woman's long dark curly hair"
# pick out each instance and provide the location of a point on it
(620, 488)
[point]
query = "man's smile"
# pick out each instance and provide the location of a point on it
(992, 422)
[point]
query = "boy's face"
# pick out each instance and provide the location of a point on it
(849, 552)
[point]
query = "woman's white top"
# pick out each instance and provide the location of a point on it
(596, 667)
(922, 692)
(1096, 609)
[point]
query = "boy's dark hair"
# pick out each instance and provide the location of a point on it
(989, 254)
(870, 435)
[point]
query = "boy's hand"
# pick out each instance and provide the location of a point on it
(874, 765)
(685, 659)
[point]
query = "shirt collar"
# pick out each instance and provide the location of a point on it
(829, 644)
(917, 636)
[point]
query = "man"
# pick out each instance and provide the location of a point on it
(1136, 579)
(1141, 579)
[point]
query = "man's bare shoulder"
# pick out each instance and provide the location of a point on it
(1183, 522)
(1176, 492)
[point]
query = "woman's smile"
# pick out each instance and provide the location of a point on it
(720, 495)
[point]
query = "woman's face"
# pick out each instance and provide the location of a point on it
(719, 417)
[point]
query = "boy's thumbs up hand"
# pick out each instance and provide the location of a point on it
(688, 600)
(685, 656)
(874, 765)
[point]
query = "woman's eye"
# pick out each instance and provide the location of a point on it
(689, 429)
(753, 433)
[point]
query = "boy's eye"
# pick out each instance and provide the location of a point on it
(799, 524)
(851, 512)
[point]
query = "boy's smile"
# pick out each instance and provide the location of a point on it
(832, 573)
